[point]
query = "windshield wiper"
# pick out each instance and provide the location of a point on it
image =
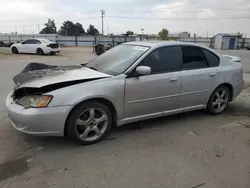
(92, 68)
(85, 65)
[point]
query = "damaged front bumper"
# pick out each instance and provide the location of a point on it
(49, 121)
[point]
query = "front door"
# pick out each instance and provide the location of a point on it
(25, 46)
(198, 76)
(159, 91)
(231, 43)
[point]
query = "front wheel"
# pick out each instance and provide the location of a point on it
(219, 100)
(89, 123)
(14, 50)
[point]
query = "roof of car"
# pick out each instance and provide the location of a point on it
(158, 43)
(41, 39)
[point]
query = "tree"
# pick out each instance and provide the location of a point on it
(92, 30)
(70, 29)
(163, 34)
(50, 27)
(129, 33)
(240, 34)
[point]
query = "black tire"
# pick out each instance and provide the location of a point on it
(71, 125)
(39, 51)
(14, 50)
(211, 105)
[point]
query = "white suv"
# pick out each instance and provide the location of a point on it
(37, 46)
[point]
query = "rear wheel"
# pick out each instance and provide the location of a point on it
(39, 51)
(14, 50)
(219, 100)
(89, 123)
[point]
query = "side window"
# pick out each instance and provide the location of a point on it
(37, 42)
(212, 59)
(34, 41)
(192, 58)
(165, 59)
(27, 42)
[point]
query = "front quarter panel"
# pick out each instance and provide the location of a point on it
(111, 88)
(15, 45)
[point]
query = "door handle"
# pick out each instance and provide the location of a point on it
(173, 79)
(212, 74)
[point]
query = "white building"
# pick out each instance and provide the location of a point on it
(225, 41)
(184, 34)
(180, 35)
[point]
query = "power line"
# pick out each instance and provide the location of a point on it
(169, 10)
(58, 22)
(186, 18)
(152, 11)
(86, 18)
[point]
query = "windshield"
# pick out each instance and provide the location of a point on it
(118, 59)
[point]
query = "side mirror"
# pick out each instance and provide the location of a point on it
(143, 70)
(22, 43)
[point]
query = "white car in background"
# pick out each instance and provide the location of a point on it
(36, 46)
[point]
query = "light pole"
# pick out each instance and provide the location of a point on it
(102, 16)
(142, 31)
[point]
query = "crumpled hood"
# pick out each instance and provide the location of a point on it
(55, 74)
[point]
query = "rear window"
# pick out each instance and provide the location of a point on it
(45, 41)
(212, 59)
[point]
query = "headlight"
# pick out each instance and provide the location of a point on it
(35, 101)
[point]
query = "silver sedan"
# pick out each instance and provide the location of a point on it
(131, 82)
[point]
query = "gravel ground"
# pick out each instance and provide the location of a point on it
(184, 151)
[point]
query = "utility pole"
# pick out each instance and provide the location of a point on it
(38, 28)
(102, 16)
(15, 29)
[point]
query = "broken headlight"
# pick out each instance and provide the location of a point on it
(35, 101)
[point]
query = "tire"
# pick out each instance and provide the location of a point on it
(39, 51)
(14, 50)
(90, 129)
(219, 100)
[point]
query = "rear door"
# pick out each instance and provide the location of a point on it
(33, 45)
(199, 76)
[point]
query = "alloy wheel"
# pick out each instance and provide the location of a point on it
(220, 100)
(91, 124)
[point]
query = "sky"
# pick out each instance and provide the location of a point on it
(195, 16)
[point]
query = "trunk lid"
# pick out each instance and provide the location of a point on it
(53, 45)
(233, 58)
